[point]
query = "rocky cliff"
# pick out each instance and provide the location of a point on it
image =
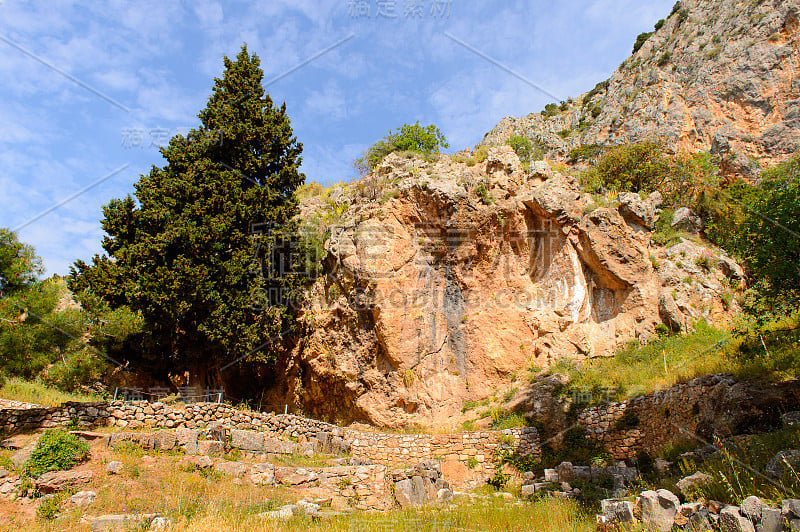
(717, 76)
(446, 280)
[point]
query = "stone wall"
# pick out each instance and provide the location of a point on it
(700, 409)
(469, 450)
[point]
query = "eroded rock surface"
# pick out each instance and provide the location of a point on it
(445, 279)
(719, 77)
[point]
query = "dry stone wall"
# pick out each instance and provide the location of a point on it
(709, 406)
(470, 449)
(703, 408)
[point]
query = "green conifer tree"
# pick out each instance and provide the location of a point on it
(201, 251)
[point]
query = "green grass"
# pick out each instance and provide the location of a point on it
(739, 471)
(640, 369)
(16, 389)
(770, 351)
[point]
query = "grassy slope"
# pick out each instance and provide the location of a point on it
(771, 351)
(16, 389)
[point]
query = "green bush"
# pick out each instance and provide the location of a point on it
(56, 450)
(600, 87)
(414, 138)
(550, 109)
(639, 167)
(521, 146)
(586, 152)
(664, 59)
(659, 24)
(499, 480)
(640, 40)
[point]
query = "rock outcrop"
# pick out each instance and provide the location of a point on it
(446, 279)
(717, 77)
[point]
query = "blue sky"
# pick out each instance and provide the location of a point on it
(90, 89)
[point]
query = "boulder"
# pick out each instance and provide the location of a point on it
(81, 499)
(784, 462)
(528, 490)
(731, 520)
(752, 507)
(566, 473)
(187, 438)
(771, 520)
(280, 514)
(669, 312)
(262, 474)
(210, 447)
(201, 462)
(689, 484)
(114, 467)
(103, 523)
(55, 481)
(550, 475)
(616, 511)
(699, 522)
(289, 476)
(247, 440)
(410, 492)
(634, 210)
(164, 440)
(686, 220)
(234, 469)
(444, 495)
(791, 508)
(217, 431)
(21, 456)
(790, 419)
(658, 509)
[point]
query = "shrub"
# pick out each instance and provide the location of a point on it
(600, 87)
(664, 59)
(483, 193)
(499, 480)
(639, 167)
(472, 463)
(550, 109)
(659, 24)
(640, 40)
(414, 138)
(56, 450)
(596, 110)
(586, 152)
(48, 509)
(666, 235)
(521, 146)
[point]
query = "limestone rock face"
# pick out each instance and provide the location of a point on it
(445, 279)
(720, 77)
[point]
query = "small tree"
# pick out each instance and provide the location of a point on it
(421, 139)
(19, 265)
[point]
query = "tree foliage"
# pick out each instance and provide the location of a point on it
(421, 139)
(761, 225)
(204, 248)
(19, 265)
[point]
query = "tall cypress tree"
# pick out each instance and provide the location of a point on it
(184, 252)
